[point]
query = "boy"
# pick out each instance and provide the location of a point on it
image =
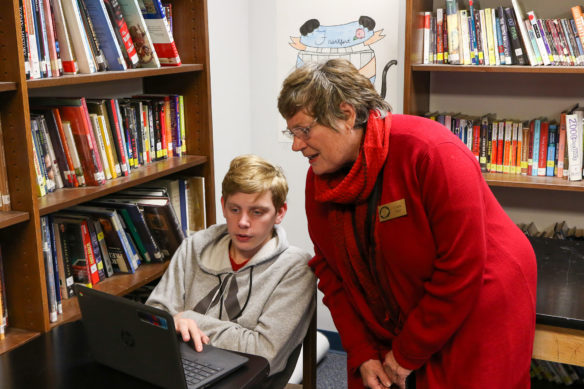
(239, 285)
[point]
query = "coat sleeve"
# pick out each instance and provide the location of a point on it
(281, 325)
(452, 190)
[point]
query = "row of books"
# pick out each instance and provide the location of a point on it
(3, 306)
(115, 234)
(500, 36)
(87, 36)
(80, 141)
(558, 230)
(537, 147)
(559, 373)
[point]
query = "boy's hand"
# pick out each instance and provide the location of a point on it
(373, 375)
(188, 329)
(394, 371)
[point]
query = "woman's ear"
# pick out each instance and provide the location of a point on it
(349, 111)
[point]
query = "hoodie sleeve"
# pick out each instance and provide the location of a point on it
(169, 293)
(281, 325)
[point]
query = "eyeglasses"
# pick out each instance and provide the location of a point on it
(302, 133)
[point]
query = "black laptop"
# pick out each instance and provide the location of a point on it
(141, 341)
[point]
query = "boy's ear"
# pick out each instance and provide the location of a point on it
(281, 213)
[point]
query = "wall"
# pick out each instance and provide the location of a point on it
(245, 33)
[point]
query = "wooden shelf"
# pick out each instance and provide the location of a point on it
(119, 285)
(557, 344)
(498, 69)
(7, 86)
(10, 218)
(521, 181)
(67, 197)
(111, 76)
(16, 337)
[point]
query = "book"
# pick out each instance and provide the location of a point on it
(122, 33)
(54, 61)
(43, 44)
(65, 43)
(464, 37)
(427, 41)
(139, 33)
(520, 21)
(105, 33)
(514, 37)
(122, 258)
(108, 268)
(574, 142)
(92, 38)
(78, 36)
(24, 38)
(49, 269)
(160, 32)
(4, 188)
(544, 51)
(66, 280)
(440, 35)
(47, 144)
(551, 152)
(452, 29)
(73, 246)
(196, 203)
(561, 145)
(474, 54)
(134, 218)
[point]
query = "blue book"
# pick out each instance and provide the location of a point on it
(501, 45)
(536, 131)
(474, 53)
(105, 34)
(551, 154)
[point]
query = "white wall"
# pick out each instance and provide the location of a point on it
(245, 84)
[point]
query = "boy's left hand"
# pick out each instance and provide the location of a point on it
(188, 329)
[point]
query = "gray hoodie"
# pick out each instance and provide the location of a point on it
(263, 308)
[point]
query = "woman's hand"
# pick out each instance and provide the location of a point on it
(373, 375)
(188, 329)
(395, 372)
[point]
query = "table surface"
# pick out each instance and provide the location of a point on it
(60, 359)
(560, 282)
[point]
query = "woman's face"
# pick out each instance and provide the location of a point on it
(327, 149)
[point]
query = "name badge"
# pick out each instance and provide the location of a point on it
(392, 210)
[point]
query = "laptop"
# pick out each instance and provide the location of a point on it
(141, 341)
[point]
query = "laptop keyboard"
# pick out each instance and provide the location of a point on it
(197, 372)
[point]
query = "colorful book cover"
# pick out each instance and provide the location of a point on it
(140, 34)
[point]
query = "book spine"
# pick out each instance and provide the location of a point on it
(109, 153)
(574, 140)
(536, 143)
(483, 131)
(561, 145)
(514, 36)
(551, 152)
(49, 270)
(484, 37)
(464, 37)
(579, 22)
(556, 41)
(96, 250)
(577, 40)
(569, 41)
(24, 38)
(439, 35)
(65, 46)
(520, 22)
(122, 33)
(507, 146)
(534, 47)
(544, 51)
(108, 268)
(490, 37)
(513, 148)
(499, 35)
(52, 44)
(562, 41)
(453, 38)
(473, 34)
(42, 39)
(94, 44)
(479, 37)
(100, 145)
(524, 150)
(77, 166)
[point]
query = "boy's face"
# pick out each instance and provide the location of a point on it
(250, 222)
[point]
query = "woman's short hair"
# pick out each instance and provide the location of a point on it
(320, 88)
(252, 174)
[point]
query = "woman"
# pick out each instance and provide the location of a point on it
(419, 265)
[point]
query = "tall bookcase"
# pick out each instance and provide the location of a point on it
(20, 237)
(512, 92)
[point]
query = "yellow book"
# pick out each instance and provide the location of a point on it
(107, 144)
(491, 41)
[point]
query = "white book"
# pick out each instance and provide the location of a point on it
(79, 37)
(73, 151)
(523, 32)
(453, 38)
(533, 41)
(490, 36)
(574, 140)
(427, 39)
(538, 38)
(139, 32)
(65, 45)
(35, 65)
(464, 36)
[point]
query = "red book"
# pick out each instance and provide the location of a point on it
(119, 142)
(561, 145)
(89, 255)
(494, 148)
(476, 140)
(543, 148)
(500, 146)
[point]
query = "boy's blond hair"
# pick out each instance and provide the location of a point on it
(252, 174)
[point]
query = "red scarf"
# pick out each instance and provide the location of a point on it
(350, 192)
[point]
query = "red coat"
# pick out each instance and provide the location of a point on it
(462, 273)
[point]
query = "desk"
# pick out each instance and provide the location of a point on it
(559, 335)
(59, 359)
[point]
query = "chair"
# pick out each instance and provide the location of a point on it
(309, 359)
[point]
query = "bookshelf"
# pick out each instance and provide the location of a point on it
(20, 232)
(518, 92)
